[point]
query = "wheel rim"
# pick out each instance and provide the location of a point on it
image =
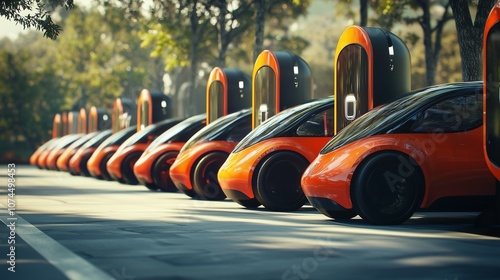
(209, 181)
(162, 174)
(83, 166)
(282, 183)
(104, 170)
(204, 176)
(128, 169)
(388, 197)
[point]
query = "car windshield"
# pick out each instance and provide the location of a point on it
(385, 117)
(119, 137)
(148, 134)
(273, 126)
(181, 132)
(47, 144)
(78, 143)
(215, 128)
(150, 131)
(67, 140)
(98, 139)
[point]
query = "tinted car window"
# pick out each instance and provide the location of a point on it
(318, 125)
(455, 114)
(240, 130)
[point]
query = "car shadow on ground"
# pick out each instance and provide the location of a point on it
(465, 222)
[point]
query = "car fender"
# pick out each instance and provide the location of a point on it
(381, 143)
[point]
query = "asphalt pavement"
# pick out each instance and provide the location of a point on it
(58, 226)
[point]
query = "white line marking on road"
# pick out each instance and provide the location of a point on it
(70, 264)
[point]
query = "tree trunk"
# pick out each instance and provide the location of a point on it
(222, 34)
(194, 59)
(260, 18)
(470, 36)
(363, 12)
(425, 23)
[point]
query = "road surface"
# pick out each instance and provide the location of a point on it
(72, 227)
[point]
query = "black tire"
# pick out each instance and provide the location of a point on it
(127, 168)
(338, 215)
(151, 187)
(190, 193)
(104, 170)
(278, 182)
(84, 170)
(248, 203)
(205, 181)
(387, 189)
(160, 172)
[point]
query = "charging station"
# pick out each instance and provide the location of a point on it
(228, 91)
(372, 67)
(280, 80)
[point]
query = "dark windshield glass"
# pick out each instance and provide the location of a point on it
(78, 143)
(275, 125)
(119, 137)
(150, 132)
(67, 140)
(181, 132)
(215, 129)
(384, 118)
(98, 139)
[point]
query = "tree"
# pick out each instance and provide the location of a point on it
(40, 20)
(102, 57)
(29, 95)
(344, 8)
(469, 32)
(392, 11)
(180, 32)
(470, 35)
(231, 22)
(279, 11)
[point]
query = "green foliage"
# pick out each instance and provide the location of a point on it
(29, 96)
(164, 44)
(111, 49)
(102, 57)
(391, 12)
(172, 35)
(41, 19)
(95, 60)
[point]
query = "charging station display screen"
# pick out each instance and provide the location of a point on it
(352, 85)
(57, 126)
(216, 101)
(116, 120)
(92, 126)
(493, 95)
(72, 123)
(264, 105)
(144, 114)
(82, 122)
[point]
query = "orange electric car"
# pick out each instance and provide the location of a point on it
(48, 158)
(266, 166)
(78, 162)
(42, 156)
(97, 162)
(152, 168)
(62, 162)
(39, 150)
(121, 165)
(194, 172)
(421, 151)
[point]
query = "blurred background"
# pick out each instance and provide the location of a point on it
(108, 49)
